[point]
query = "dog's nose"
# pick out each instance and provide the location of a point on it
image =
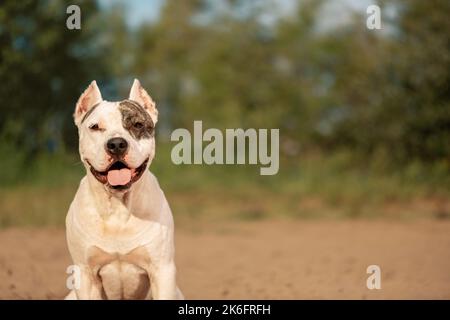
(116, 146)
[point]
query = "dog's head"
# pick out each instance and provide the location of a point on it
(116, 139)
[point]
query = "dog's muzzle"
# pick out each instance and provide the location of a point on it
(119, 175)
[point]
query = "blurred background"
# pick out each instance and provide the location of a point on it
(364, 115)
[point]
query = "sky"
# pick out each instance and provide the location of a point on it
(337, 12)
(138, 11)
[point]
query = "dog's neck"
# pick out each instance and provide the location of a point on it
(115, 204)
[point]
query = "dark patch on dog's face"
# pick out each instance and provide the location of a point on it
(136, 120)
(88, 113)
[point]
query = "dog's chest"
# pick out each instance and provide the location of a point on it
(121, 276)
(112, 233)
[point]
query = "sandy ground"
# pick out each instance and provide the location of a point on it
(262, 260)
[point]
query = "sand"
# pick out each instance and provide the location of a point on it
(269, 259)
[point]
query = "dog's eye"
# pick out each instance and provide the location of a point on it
(94, 127)
(138, 125)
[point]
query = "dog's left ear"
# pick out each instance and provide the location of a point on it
(141, 96)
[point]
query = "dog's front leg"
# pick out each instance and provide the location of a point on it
(163, 284)
(90, 287)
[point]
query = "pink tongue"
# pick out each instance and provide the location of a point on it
(119, 177)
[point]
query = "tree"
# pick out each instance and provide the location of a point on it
(43, 68)
(392, 89)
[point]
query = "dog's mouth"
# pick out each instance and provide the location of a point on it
(119, 175)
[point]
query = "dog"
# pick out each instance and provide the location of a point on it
(119, 227)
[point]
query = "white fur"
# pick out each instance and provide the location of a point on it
(119, 238)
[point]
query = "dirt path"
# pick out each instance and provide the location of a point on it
(262, 260)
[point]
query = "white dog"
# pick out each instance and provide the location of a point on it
(119, 226)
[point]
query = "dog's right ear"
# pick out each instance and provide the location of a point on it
(90, 97)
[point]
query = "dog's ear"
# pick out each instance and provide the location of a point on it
(138, 94)
(90, 97)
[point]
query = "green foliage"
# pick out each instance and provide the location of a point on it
(364, 115)
(394, 90)
(332, 185)
(43, 68)
(353, 88)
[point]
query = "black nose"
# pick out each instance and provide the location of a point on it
(116, 146)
